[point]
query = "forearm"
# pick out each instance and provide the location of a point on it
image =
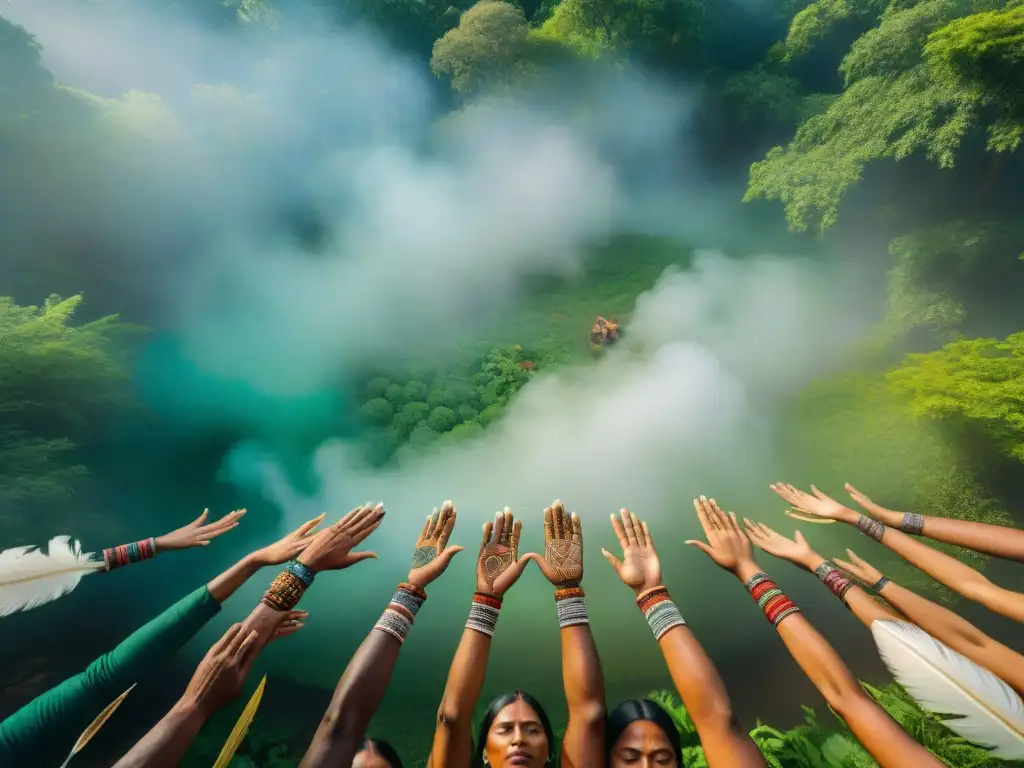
(361, 688)
(959, 634)
(865, 607)
(226, 584)
(168, 741)
(452, 737)
(583, 680)
(995, 540)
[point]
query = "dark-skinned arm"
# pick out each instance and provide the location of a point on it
(726, 744)
(995, 540)
(944, 625)
(361, 688)
(498, 568)
(582, 678)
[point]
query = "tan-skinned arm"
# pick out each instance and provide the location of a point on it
(944, 625)
(582, 678)
(498, 568)
(995, 540)
(359, 692)
(726, 744)
(946, 570)
(883, 738)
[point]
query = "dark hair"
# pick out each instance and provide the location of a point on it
(632, 710)
(385, 750)
(492, 712)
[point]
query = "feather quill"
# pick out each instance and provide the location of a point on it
(968, 699)
(29, 578)
(241, 727)
(95, 725)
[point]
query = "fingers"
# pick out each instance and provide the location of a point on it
(488, 533)
(734, 524)
(447, 555)
(499, 528)
(819, 494)
(799, 537)
(549, 524)
(638, 530)
(558, 515)
(246, 649)
(355, 517)
(705, 518)
(612, 559)
(513, 540)
(649, 540)
(700, 545)
(287, 628)
(627, 526)
(425, 533)
(357, 557)
(848, 567)
(306, 529)
(718, 516)
(228, 638)
(201, 519)
(367, 525)
(543, 564)
(449, 526)
(506, 530)
(237, 638)
(620, 533)
(577, 528)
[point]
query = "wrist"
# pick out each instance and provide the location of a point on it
(483, 613)
(811, 561)
(745, 569)
(848, 516)
(187, 710)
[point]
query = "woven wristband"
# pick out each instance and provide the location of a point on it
(483, 613)
(912, 523)
(833, 578)
(304, 573)
(571, 607)
(662, 615)
(770, 598)
(285, 592)
(870, 528)
(126, 554)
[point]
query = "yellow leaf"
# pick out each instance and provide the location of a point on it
(241, 727)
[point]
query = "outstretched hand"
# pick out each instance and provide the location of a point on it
(198, 533)
(283, 550)
(562, 563)
(858, 568)
(796, 550)
(727, 545)
(331, 549)
(874, 510)
(432, 554)
(498, 566)
(818, 505)
(640, 568)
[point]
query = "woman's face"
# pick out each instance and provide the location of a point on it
(368, 757)
(516, 737)
(645, 745)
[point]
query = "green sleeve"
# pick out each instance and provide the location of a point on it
(72, 705)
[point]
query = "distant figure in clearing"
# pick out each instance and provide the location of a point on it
(604, 333)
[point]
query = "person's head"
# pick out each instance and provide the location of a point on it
(515, 731)
(641, 733)
(376, 754)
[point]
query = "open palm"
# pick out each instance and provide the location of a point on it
(796, 550)
(640, 568)
(819, 504)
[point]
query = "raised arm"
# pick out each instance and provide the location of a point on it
(562, 565)
(498, 568)
(797, 551)
(198, 533)
(942, 624)
(217, 681)
(726, 744)
(995, 540)
(361, 688)
(881, 736)
(944, 569)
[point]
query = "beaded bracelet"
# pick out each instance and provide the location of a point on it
(571, 607)
(770, 598)
(871, 528)
(303, 572)
(661, 614)
(285, 592)
(126, 554)
(400, 614)
(880, 584)
(912, 523)
(834, 579)
(483, 613)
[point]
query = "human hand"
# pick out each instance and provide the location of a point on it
(432, 554)
(796, 550)
(498, 565)
(876, 511)
(727, 545)
(291, 623)
(862, 570)
(331, 549)
(562, 563)
(290, 546)
(639, 568)
(221, 674)
(818, 505)
(198, 533)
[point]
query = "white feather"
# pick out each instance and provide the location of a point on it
(974, 703)
(28, 578)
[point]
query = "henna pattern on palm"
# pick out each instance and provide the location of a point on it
(566, 560)
(424, 556)
(494, 560)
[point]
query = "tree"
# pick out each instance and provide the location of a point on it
(980, 381)
(442, 419)
(378, 412)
